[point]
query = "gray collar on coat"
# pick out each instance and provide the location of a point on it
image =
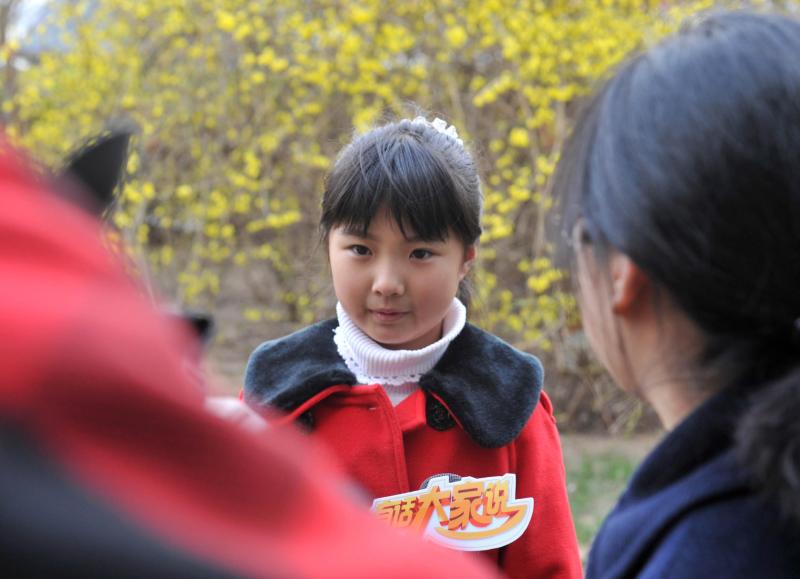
(491, 388)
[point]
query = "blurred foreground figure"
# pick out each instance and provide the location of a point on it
(109, 464)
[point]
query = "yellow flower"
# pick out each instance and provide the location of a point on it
(183, 192)
(252, 315)
(518, 137)
(226, 21)
(456, 37)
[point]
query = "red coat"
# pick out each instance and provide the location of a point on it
(475, 414)
(110, 464)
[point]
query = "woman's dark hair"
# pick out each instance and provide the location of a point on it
(688, 161)
(425, 178)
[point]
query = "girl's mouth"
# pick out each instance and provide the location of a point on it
(387, 315)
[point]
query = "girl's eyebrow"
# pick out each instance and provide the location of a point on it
(357, 232)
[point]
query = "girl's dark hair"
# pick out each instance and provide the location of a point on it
(688, 161)
(425, 178)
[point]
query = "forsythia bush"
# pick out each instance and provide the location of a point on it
(243, 104)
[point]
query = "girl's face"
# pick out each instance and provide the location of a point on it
(396, 289)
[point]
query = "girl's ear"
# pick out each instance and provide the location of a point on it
(629, 284)
(469, 258)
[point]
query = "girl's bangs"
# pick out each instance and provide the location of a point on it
(405, 179)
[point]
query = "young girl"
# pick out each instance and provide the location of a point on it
(682, 192)
(400, 386)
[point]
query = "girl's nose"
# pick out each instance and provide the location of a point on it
(388, 281)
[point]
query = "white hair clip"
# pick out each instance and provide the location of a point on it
(441, 126)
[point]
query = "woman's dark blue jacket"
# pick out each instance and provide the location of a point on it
(689, 511)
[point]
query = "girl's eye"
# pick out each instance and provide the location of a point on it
(360, 249)
(421, 254)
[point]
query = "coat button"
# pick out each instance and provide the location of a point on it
(437, 415)
(451, 477)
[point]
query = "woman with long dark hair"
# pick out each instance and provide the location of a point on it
(681, 198)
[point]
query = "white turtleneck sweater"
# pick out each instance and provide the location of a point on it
(398, 371)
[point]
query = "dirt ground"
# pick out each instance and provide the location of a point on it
(633, 447)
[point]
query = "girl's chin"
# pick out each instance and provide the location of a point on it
(396, 341)
(395, 344)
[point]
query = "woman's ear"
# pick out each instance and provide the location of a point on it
(629, 284)
(470, 253)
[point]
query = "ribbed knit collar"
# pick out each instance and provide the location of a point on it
(373, 364)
